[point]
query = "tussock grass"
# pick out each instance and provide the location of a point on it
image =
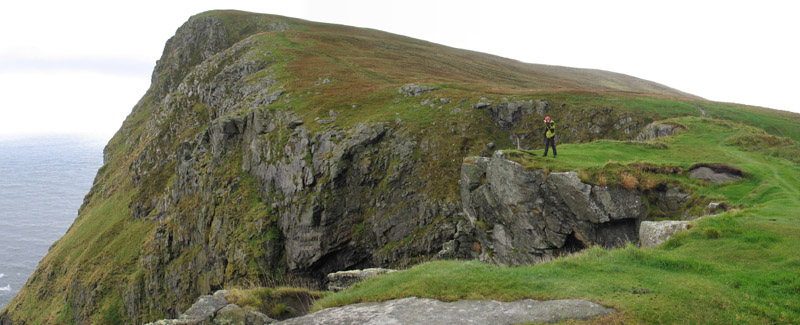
(277, 303)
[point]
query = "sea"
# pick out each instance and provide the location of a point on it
(43, 180)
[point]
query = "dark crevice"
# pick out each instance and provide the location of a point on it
(572, 244)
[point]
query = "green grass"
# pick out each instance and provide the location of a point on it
(366, 67)
(738, 267)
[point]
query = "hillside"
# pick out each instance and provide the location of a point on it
(737, 266)
(272, 150)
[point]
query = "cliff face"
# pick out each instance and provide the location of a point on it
(263, 149)
(525, 216)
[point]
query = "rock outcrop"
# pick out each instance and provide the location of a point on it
(671, 201)
(215, 309)
(654, 233)
(511, 113)
(715, 173)
(414, 90)
(658, 130)
(430, 311)
(524, 216)
(341, 280)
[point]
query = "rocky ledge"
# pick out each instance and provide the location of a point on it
(525, 216)
(215, 309)
(429, 311)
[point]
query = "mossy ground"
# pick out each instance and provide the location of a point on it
(737, 267)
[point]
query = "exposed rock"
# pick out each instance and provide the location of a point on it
(509, 114)
(480, 105)
(204, 308)
(429, 311)
(671, 200)
(716, 206)
(344, 279)
(713, 175)
(654, 233)
(414, 90)
(526, 217)
(322, 82)
(657, 130)
(233, 314)
(215, 309)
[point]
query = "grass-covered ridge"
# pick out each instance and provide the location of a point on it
(737, 267)
(100, 268)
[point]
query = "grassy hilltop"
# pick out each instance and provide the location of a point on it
(146, 244)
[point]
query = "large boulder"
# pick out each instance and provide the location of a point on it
(344, 279)
(715, 173)
(235, 315)
(654, 233)
(215, 309)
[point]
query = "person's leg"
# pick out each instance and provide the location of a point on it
(546, 146)
(553, 141)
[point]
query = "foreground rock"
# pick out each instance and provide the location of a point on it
(654, 233)
(344, 279)
(429, 311)
(215, 309)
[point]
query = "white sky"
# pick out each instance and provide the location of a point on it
(78, 67)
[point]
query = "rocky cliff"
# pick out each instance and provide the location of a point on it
(268, 146)
(526, 216)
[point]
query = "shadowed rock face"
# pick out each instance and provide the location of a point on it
(524, 217)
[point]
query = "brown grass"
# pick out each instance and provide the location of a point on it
(648, 183)
(629, 181)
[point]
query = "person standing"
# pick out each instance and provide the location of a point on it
(549, 136)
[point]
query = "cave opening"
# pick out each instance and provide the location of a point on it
(572, 244)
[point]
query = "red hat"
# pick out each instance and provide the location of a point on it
(547, 118)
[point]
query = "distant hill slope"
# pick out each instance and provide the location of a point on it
(269, 147)
(384, 58)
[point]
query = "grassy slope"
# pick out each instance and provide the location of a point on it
(366, 67)
(747, 274)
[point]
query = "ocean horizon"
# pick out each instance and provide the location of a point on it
(43, 180)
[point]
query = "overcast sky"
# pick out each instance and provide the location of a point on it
(78, 67)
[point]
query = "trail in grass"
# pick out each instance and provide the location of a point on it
(780, 179)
